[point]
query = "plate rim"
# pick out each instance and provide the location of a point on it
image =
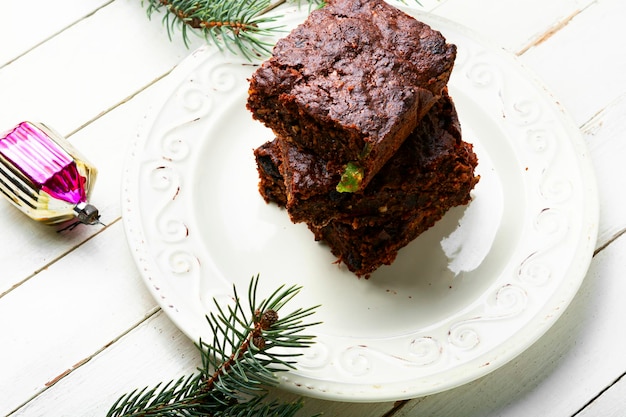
(584, 249)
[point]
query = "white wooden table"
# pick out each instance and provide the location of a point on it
(78, 327)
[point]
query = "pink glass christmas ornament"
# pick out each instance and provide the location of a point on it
(44, 176)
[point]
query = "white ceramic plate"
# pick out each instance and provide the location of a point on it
(461, 300)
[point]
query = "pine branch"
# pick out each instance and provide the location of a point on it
(238, 366)
(236, 25)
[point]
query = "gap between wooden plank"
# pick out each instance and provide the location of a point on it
(608, 242)
(397, 406)
(599, 394)
(122, 102)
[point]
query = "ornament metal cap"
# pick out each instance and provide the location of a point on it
(45, 177)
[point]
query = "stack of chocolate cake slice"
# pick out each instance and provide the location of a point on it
(368, 149)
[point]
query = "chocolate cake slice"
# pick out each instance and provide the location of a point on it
(271, 184)
(432, 156)
(351, 83)
(367, 247)
(432, 172)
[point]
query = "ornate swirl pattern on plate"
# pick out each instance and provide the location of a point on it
(464, 335)
(534, 272)
(182, 262)
(356, 360)
(166, 183)
(553, 226)
(524, 112)
(474, 65)
(316, 356)
(539, 140)
(424, 351)
(505, 302)
(221, 77)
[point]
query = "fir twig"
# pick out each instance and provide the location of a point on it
(237, 368)
(235, 25)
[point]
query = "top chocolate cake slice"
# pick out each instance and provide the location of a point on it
(351, 83)
(432, 162)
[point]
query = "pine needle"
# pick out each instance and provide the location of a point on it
(237, 26)
(237, 368)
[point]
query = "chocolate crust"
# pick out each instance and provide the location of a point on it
(271, 183)
(351, 82)
(366, 248)
(433, 156)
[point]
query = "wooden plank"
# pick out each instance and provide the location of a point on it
(90, 68)
(512, 25)
(572, 64)
(48, 17)
(604, 137)
(67, 312)
(570, 364)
